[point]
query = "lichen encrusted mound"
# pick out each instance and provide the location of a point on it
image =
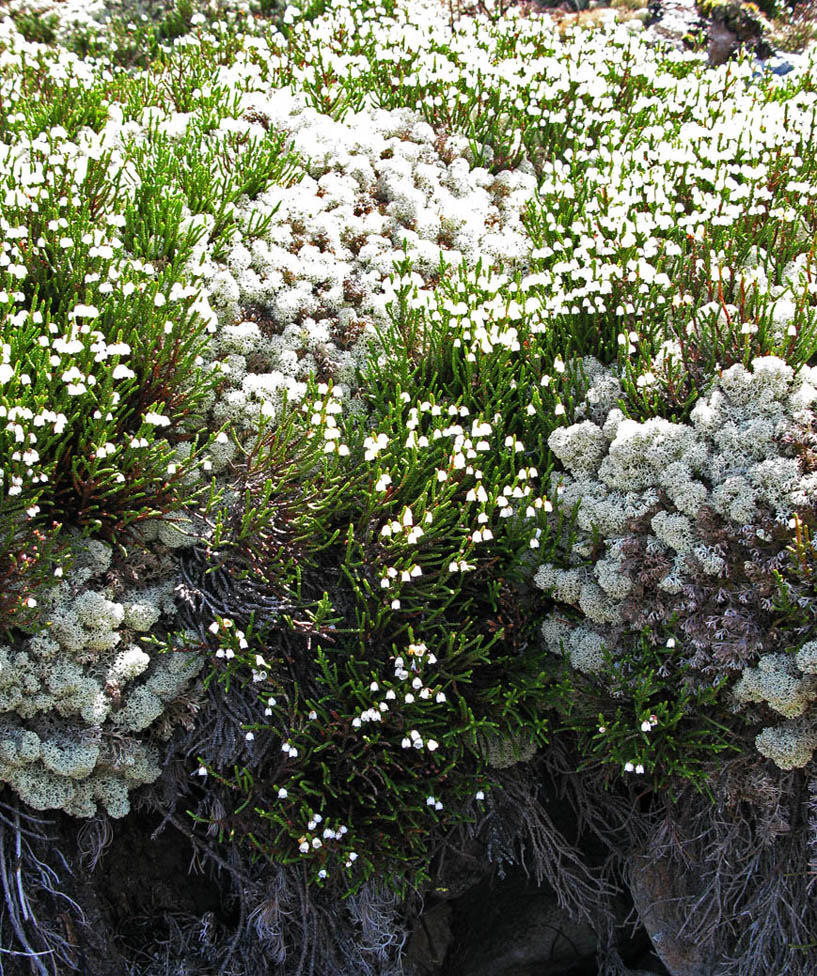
(690, 527)
(80, 699)
(310, 296)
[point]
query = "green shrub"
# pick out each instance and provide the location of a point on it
(393, 548)
(35, 28)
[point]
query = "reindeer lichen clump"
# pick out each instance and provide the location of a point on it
(690, 529)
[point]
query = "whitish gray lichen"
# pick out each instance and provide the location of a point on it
(77, 699)
(731, 460)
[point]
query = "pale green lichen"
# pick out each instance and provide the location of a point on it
(673, 481)
(789, 746)
(77, 699)
(776, 680)
(141, 615)
(806, 658)
(502, 752)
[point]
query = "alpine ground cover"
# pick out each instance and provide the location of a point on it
(391, 397)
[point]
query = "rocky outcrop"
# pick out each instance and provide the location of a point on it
(731, 24)
(719, 27)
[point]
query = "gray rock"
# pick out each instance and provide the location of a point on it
(785, 66)
(525, 937)
(655, 890)
(722, 44)
(430, 941)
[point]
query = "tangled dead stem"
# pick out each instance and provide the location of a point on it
(748, 851)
